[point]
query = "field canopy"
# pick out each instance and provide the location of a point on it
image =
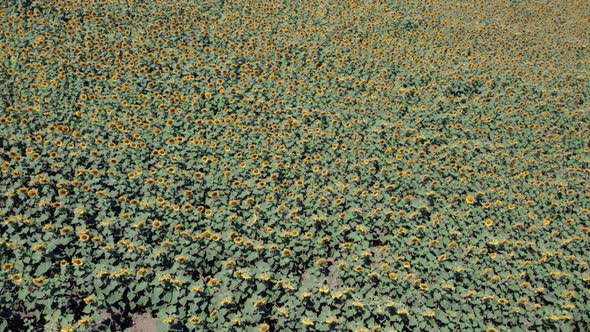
(290, 165)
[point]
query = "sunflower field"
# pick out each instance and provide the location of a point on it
(290, 165)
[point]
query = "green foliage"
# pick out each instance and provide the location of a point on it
(293, 165)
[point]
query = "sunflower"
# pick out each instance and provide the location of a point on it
(77, 262)
(39, 281)
(177, 282)
(65, 230)
(195, 320)
(169, 320)
(16, 278)
(181, 259)
(343, 265)
(470, 199)
(213, 282)
(89, 300)
(569, 294)
(428, 314)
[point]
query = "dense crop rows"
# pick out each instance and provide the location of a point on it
(295, 165)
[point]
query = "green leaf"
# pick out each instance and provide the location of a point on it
(141, 286)
(42, 268)
(161, 326)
